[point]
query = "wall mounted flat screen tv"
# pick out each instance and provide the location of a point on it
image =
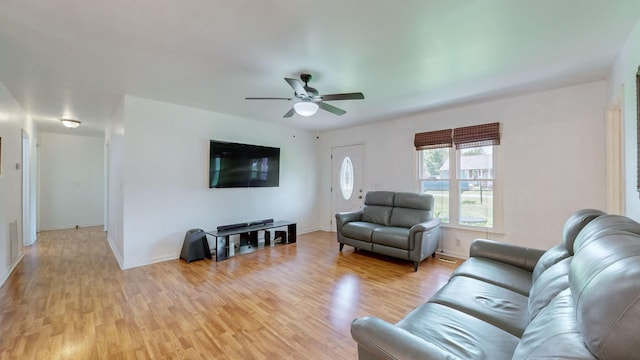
(233, 165)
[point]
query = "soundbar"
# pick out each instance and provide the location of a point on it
(246, 224)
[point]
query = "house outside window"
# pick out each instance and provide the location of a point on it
(461, 176)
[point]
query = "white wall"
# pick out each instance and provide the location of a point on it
(623, 75)
(13, 120)
(71, 181)
(166, 151)
(552, 159)
(114, 140)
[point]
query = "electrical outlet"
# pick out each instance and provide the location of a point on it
(458, 242)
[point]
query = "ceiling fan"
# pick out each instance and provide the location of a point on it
(308, 100)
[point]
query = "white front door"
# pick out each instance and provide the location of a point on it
(347, 179)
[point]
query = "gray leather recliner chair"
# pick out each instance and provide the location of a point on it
(396, 224)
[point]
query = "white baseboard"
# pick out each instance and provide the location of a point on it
(124, 266)
(305, 231)
(116, 254)
(5, 275)
(67, 227)
(150, 261)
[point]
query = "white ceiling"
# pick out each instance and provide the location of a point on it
(78, 58)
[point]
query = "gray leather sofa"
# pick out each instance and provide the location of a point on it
(577, 300)
(397, 224)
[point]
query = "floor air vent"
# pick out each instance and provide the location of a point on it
(448, 261)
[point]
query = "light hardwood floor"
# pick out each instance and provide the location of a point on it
(68, 299)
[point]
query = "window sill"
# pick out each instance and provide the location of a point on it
(474, 229)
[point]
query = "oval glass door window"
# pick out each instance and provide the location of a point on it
(346, 178)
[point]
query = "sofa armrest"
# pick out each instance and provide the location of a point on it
(515, 255)
(346, 217)
(382, 340)
(425, 226)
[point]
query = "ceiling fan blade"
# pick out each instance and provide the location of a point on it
(347, 96)
(332, 109)
(267, 98)
(289, 113)
(297, 86)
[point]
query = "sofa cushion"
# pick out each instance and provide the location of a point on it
(396, 237)
(604, 278)
(359, 230)
(497, 273)
(607, 224)
(379, 198)
(377, 207)
(550, 257)
(411, 209)
(554, 333)
(413, 201)
(552, 282)
(496, 305)
(406, 218)
(574, 225)
(376, 214)
(459, 334)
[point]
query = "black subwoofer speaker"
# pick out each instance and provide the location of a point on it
(195, 246)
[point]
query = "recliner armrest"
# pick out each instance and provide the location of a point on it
(382, 340)
(346, 217)
(523, 257)
(425, 226)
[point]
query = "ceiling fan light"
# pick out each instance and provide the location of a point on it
(305, 108)
(71, 124)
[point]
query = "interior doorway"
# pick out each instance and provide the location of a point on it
(347, 169)
(28, 193)
(614, 153)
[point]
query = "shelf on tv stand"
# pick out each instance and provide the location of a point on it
(250, 234)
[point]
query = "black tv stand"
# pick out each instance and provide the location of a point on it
(249, 236)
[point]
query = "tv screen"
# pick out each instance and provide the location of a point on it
(243, 165)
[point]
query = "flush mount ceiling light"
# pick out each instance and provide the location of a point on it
(305, 108)
(71, 124)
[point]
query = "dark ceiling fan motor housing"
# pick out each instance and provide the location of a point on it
(312, 92)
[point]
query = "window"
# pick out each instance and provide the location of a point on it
(461, 180)
(433, 175)
(346, 178)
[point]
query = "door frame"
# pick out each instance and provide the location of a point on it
(333, 176)
(28, 191)
(614, 155)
